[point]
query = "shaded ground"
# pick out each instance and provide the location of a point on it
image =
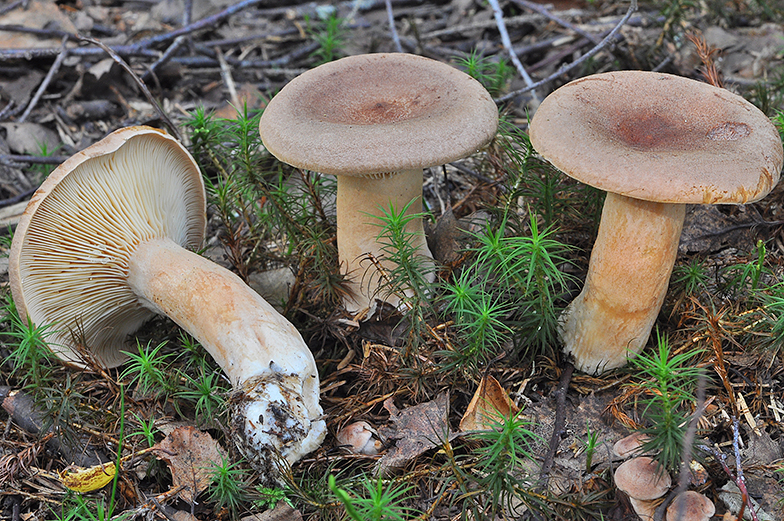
(222, 55)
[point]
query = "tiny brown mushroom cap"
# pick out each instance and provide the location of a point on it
(690, 506)
(629, 445)
(659, 137)
(78, 233)
(378, 113)
(642, 478)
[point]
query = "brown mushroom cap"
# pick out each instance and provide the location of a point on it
(79, 231)
(659, 137)
(690, 506)
(642, 478)
(629, 445)
(378, 113)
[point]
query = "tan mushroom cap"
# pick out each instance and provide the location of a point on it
(378, 113)
(659, 137)
(630, 445)
(690, 506)
(642, 478)
(69, 258)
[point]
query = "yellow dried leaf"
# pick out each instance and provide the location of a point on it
(489, 405)
(86, 480)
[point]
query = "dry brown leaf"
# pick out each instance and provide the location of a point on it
(39, 14)
(489, 405)
(417, 429)
(191, 455)
(281, 512)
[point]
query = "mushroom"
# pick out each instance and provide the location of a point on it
(360, 438)
(644, 481)
(105, 243)
(630, 445)
(654, 142)
(690, 506)
(376, 121)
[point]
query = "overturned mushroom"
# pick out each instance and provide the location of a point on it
(105, 243)
(654, 142)
(376, 121)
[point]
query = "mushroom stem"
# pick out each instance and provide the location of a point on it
(360, 200)
(631, 262)
(272, 370)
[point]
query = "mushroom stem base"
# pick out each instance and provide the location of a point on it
(631, 262)
(270, 419)
(273, 372)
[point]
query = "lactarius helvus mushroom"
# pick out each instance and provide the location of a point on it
(376, 121)
(655, 142)
(106, 242)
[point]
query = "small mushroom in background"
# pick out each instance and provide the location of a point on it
(630, 445)
(106, 242)
(359, 438)
(655, 142)
(690, 506)
(644, 481)
(376, 121)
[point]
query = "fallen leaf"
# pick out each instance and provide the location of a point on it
(30, 138)
(191, 455)
(489, 405)
(281, 512)
(417, 429)
(88, 479)
(40, 14)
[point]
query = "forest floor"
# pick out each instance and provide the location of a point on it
(72, 71)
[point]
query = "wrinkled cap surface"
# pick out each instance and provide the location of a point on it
(659, 137)
(377, 113)
(69, 257)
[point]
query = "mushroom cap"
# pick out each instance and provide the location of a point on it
(69, 257)
(378, 113)
(630, 445)
(659, 137)
(692, 506)
(642, 478)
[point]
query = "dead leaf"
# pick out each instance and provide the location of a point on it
(39, 14)
(417, 429)
(30, 138)
(247, 94)
(489, 405)
(190, 455)
(442, 239)
(281, 512)
(20, 89)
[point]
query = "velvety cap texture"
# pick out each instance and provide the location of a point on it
(659, 137)
(377, 113)
(69, 257)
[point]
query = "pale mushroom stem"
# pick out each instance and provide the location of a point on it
(631, 262)
(271, 368)
(359, 203)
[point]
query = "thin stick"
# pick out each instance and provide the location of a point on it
(560, 21)
(165, 57)
(45, 84)
(11, 6)
(499, 21)
(166, 120)
(228, 80)
(392, 28)
(558, 425)
(563, 70)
